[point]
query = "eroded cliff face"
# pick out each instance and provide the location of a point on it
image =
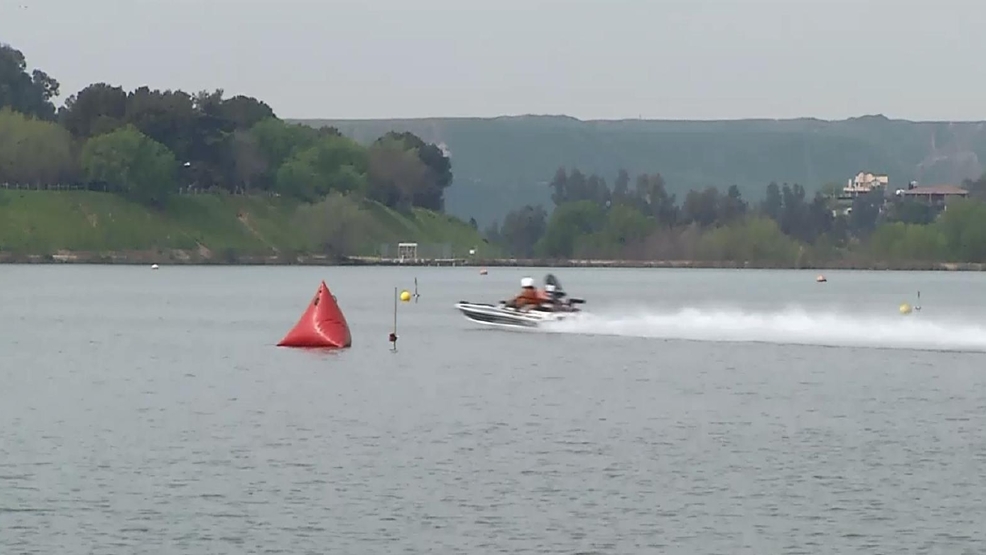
(954, 153)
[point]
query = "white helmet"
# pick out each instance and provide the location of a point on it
(527, 282)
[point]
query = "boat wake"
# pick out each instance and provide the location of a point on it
(790, 326)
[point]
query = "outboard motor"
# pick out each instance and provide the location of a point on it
(550, 279)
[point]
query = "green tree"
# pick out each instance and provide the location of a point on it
(277, 141)
(900, 242)
(964, 226)
(797, 218)
(621, 188)
(570, 223)
(428, 194)
(250, 166)
(331, 164)
(732, 207)
(654, 199)
(28, 93)
(773, 203)
(34, 151)
(168, 117)
(211, 138)
(396, 176)
(865, 214)
(625, 228)
(130, 161)
(95, 110)
(794, 212)
(336, 225)
(198, 128)
(559, 187)
(818, 220)
(911, 212)
(756, 239)
(297, 178)
(576, 186)
(702, 207)
(245, 111)
(521, 230)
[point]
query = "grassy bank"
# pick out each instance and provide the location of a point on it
(93, 226)
(84, 226)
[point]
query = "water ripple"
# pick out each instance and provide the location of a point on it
(189, 433)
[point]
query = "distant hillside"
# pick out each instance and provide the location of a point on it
(502, 163)
(201, 227)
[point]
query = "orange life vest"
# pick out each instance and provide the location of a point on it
(527, 297)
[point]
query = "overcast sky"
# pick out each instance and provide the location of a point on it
(680, 59)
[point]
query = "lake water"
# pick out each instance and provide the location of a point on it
(695, 412)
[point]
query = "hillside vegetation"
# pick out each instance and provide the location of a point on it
(639, 219)
(200, 174)
(505, 163)
(212, 227)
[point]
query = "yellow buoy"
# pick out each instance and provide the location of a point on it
(405, 296)
(905, 308)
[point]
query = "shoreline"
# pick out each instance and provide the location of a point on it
(199, 258)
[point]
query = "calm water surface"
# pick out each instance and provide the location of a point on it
(696, 412)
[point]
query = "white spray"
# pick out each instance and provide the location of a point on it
(793, 325)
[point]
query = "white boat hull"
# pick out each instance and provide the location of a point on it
(503, 316)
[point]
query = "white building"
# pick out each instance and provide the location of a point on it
(864, 182)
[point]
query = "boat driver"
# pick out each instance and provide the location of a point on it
(528, 296)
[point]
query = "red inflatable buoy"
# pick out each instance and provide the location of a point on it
(322, 324)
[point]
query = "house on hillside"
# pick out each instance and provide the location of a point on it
(933, 195)
(863, 183)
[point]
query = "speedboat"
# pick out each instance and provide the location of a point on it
(504, 315)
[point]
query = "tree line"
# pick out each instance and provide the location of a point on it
(148, 144)
(640, 219)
